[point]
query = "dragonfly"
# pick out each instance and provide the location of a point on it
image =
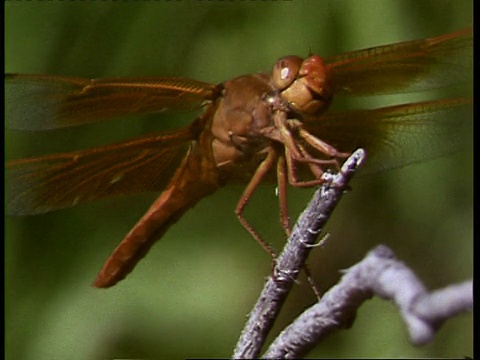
(264, 127)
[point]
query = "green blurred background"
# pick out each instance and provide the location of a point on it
(190, 296)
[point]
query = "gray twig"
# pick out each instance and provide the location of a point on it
(381, 274)
(293, 257)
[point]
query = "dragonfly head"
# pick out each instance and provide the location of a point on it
(303, 83)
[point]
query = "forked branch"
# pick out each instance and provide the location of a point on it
(378, 274)
(292, 259)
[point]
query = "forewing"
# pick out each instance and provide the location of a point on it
(42, 102)
(404, 67)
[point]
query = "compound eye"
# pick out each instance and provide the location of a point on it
(312, 65)
(310, 92)
(285, 71)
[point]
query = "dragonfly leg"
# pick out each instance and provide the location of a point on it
(282, 180)
(292, 172)
(256, 179)
(283, 172)
(284, 131)
(323, 147)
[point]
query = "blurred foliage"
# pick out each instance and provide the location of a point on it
(189, 297)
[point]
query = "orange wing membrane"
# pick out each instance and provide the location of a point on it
(43, 102)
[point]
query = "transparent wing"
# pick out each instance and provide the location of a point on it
(399, 135)
(404, 67)
(41, 102)
(52, 182)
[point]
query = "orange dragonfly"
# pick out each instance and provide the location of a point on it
(253, 128)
